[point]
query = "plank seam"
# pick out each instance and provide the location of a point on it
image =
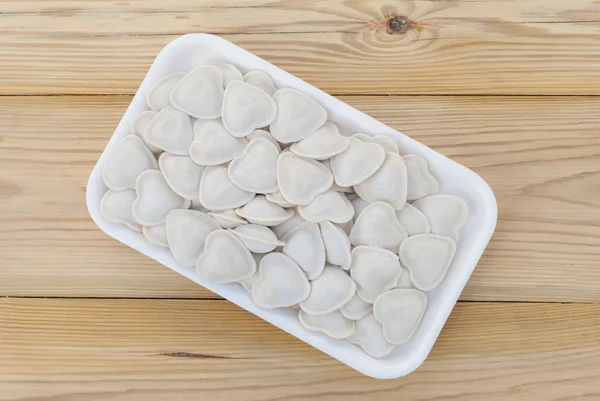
(519, 95)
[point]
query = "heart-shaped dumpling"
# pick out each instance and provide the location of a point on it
(217, 192)
(329, 292)
(155, 199)
(404, 281)
(213, 145)
(304, 245)
(301, 180)
(258, 239)
(200, 93)
(368, 334)
(138, 127)
(413, 220)
(374, 270)
(334, 186)
(388, 184)
(324, 143)
(182, 174)
(446, 214)
(255, 170)
(170, 130)
(337, 245)
(116, 207)
(261, 80)
(357, 163)
(330, 205)
(126, 162)
(228, 218)
(283, 228)
(260, 211)
(225, 259)
(281, 283)
(420, 182)
(356, 308)
(246, 108)
(377, 226)
(385, 141)
(298, 115)
(359, 204)
(156, 235)
(186, 233)
(334, 324)
(159, 97)
(427, 257)
(400, 313)
(261, 133)
(229, 71)
(200, 123)
(278, 199)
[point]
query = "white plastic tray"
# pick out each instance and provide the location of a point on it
(189, 51)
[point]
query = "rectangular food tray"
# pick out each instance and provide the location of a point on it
(189, 51)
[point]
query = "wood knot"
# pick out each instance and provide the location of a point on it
(399, 24)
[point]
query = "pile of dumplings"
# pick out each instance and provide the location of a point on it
(251, 184)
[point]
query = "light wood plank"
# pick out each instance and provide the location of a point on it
(146, 17)
(540, 155)
(343, 47)
(84, 350)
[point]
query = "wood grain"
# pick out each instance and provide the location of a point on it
(130, 350)
(343, 47)
(541, 155)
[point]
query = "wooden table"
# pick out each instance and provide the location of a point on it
(507, 87)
